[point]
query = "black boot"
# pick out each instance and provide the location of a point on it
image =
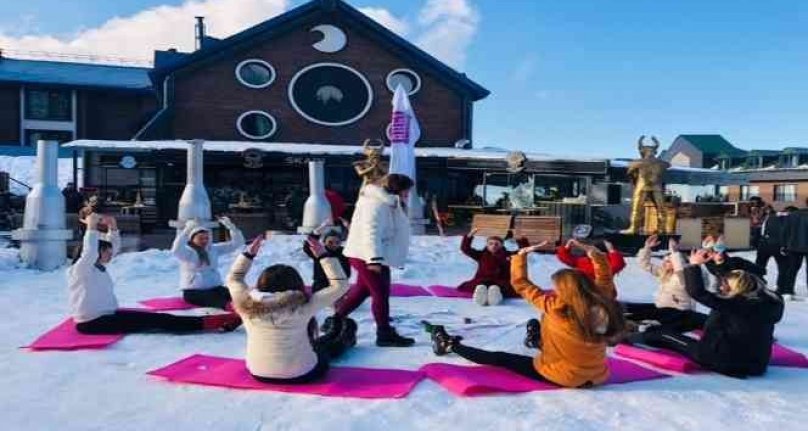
(388, 337)
(332, 327)
(442, 342)
(348, 334)
(533, 334)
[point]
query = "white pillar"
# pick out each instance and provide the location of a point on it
(194, 203)
(317, 209)
(43, 237)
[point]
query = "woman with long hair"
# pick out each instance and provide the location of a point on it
(379, 239)
(739, 332)
(93, 304)
(578, 318)
(200, 280)
(277, 315)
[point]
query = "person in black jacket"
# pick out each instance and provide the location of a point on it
(720, 264)
(332, 241)
(797, 239)
(777, 236)
(739, 332)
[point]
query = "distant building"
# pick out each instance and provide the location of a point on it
(779, 177)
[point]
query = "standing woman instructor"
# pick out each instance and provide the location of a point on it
(378, 240)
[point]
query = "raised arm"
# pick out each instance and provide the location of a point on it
(89, 246)
(338, 284)
(564, 255)
(543, 300)
(467, 249)
(180, 248)
(604, 280)
(236, 238)
(694, 282)
(644, 255)
(239, 290)
(113, 235)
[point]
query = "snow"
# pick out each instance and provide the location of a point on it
(310, 149)
(109, 389)
(23, 169)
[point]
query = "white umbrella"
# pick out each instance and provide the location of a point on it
(403, 134)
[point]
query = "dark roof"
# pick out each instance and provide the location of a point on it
(764, 153)
(73, 74)
(713, 144)
(287, 21)
(795, 150)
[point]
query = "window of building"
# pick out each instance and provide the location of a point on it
(785, 192)
(48, 105)
(256, 125)
(749, 191)
(406, 78)
(32, 136)
(330, 94)
(255, 73)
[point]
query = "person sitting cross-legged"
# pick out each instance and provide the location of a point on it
(491, 282)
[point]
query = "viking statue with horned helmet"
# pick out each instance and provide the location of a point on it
(646, 175)
(372, 168)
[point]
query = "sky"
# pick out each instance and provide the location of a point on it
(577, 77)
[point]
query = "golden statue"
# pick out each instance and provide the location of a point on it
(646, 175)
(372, 168)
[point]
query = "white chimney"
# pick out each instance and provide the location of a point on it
(317, 209)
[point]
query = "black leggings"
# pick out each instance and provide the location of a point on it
(522, 365)
(671, 319)
(316, 373)
(218, 297)
(672, 341)
(130, 321)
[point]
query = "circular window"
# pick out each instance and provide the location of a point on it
(255, 73)
(405, 78)
(330, 94)
(256, 125)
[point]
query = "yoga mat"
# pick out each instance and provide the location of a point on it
(407, 290)
(345, 382)
(66, 337)
(167, 304)
(448, 292)
(470, 381)
(781, 357)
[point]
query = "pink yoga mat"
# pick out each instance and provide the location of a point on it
(781, 357)
(470, 381)
(167, 304)
(66, 337)
(346, 382)
(407, 290)
(448, 292)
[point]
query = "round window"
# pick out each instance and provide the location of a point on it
(330, 94)
(255, 73)
(405, 78)
(256, 125)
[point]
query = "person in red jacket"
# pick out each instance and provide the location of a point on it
(584, 264)
(492, 281)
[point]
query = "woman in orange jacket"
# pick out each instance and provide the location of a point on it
(578, 318)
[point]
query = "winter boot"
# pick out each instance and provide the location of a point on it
(221, 322)
(388, 337)
(347, 337)
(332, 326)
(442, 342)
(494, 295)
(480, 296)
(533, 334)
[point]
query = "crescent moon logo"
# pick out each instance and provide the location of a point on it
(333, 40)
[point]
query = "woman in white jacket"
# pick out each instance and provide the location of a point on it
(673, 308)
(93, 304)
(276, 316)
(200, 280)
(378, 240)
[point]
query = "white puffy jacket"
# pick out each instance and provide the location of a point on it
(278, 345)
(380, 229)
(90, 287)
(195, 274)
(672, 292)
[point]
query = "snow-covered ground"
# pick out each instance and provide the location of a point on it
(23, 169)
(108, 389)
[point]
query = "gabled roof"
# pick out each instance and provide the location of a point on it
(289, 20)
(713, 144)
(85, 75)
